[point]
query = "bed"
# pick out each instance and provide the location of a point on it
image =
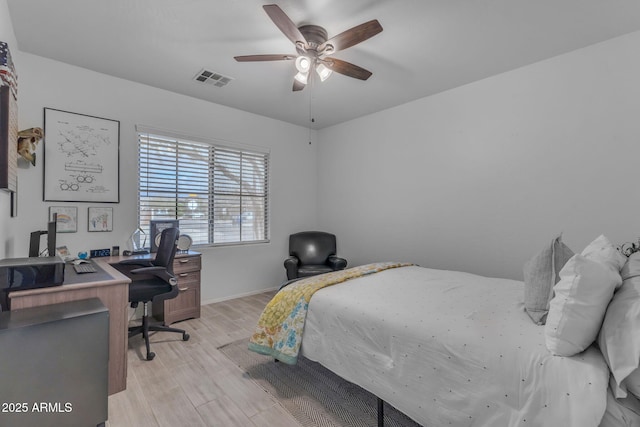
(453, 348)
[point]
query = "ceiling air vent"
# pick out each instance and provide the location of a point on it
(213, 78)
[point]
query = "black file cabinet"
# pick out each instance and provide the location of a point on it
(54, 365)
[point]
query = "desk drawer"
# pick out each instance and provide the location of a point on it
(186, 305)
(184, 264)
(188, 278)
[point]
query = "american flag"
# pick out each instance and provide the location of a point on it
(8, 76)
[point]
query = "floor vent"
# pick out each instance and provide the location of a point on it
(213, 78)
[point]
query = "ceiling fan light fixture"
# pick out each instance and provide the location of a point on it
(313, 45)
(301, 77)
(323, 71)
(303, 64)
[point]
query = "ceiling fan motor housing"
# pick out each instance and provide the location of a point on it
(315, 36)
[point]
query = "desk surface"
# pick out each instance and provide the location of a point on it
(71, 277)
(105, 276)
(117, 259)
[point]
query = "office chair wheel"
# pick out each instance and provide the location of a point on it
(185, 337)
(151, 355)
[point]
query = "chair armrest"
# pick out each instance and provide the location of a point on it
(159, 272)
(147, 270)
(336, 263)
(291, 265)
(134, 261)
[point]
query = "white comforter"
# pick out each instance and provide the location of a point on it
(451, 348)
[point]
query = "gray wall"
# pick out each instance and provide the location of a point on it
(481, 177)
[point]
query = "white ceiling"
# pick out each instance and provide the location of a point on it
(427, 46)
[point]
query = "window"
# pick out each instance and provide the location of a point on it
(218, 193)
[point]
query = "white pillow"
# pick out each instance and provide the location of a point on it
(618, 338)
(602, 250)
(587, 283)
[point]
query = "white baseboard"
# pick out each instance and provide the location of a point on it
(246, 294)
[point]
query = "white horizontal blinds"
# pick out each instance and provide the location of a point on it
(219, 195)
(173, 184)
(240, 189)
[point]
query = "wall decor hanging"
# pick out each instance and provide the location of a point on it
(81, 157)
(100, 219)
(27, 142)
(8, 121)
(66, 219)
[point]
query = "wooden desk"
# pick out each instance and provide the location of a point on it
(112, 288)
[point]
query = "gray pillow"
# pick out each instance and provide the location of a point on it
(541, 273)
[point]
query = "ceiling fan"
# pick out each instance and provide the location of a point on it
(314, 48)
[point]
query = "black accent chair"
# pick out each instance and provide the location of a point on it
(311, 253)
(154, 282)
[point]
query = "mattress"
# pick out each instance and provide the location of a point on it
(452, 348)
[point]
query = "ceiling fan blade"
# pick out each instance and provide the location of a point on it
(347, 68)
(285, 24)
(298, 85)
(276, 57)
(351, 37)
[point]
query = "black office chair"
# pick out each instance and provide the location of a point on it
(153, 282)
(311, 253)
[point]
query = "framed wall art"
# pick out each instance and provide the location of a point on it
(67, 219)
(100, 219)
(81, 158)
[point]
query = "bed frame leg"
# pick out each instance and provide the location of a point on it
(380, 412)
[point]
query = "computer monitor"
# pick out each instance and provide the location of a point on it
(34, 240)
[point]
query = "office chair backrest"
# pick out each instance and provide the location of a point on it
(167, 248)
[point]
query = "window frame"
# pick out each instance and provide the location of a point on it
(221, 146)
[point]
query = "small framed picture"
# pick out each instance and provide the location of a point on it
(63, 251)
(156, 227)
(67, 219)
(100, 219)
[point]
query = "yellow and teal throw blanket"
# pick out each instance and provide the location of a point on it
(279, 330)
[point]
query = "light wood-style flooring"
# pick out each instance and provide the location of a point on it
(191, 383)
